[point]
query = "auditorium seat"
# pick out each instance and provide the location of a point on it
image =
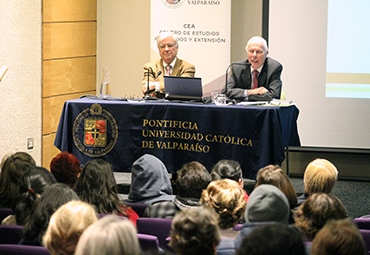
(138, 208)
(18, 249)
(366, 236)
(362, 223)
(10, 234)
(5, 212)
(149, 244)
(155, 226)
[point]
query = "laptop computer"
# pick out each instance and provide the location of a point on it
(183, 88)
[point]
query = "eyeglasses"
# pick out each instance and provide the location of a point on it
(163, 46)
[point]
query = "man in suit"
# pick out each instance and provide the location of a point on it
(168, 64)
(256, 78)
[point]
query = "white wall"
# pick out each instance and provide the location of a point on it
(20, 88)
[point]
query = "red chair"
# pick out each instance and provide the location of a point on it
(157, 227)
(18, 249)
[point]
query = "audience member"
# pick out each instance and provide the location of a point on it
(110, 235)
(320, 176)
(266, 204)
(256, 78)
(67, 225)
(312, 215)
(66, 168)
(229, 169)
(168, 46)
(195, 231)
(191, 180)
(11, 170)
(338, 237)
(274, 175)
(54, 196)
(227, 199)
(97, 186)
(273, 239)
(150, 181)
(32, 184)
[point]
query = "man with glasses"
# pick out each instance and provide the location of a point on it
(256, 78)
(168, 64)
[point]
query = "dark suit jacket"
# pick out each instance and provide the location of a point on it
(241, 79)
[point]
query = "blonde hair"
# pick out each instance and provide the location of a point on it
(110, 235)
(320, 176)
(67, 225)
(227, 199)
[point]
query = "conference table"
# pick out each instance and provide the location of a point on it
(120, 131)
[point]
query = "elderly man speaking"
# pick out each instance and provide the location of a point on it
(169, 64)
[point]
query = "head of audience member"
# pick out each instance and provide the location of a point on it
(97, 186)
(320, 176)
(66, 168)
(168, 46)
(257, 51)
(267, 203)
(338, 237)
(319, 208)
(192, 179)
(274, 175)
(228, 169)
(110, 235)
(67, 225)
(195, 231)
(54, 196)
(32, 184)
(273, 239)
(150, 181)
(11, 170)
(227, 199)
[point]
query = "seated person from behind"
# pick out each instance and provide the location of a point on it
(267, 85)
(168, 47)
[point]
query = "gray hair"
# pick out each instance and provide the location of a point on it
(258, 39)
(164, 35)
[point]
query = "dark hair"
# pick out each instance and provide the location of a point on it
(273, 239)
(195, 231)
(227, 169)
(312, 215)
(97, 186)
(11, 171)
(192, 179)
(274, 175)
(54, 196)
(32, 184)
(66, 168)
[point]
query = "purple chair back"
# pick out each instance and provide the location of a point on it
(5, 212)
(10, 234)
(362, 223)
(237, 227)
(157, 227)
(366, 236)
(149, 244)
(18, 249)
(138, 208)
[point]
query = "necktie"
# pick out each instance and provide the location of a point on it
(168, 70)
(255, 79)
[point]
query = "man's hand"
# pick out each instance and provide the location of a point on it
(257, 91)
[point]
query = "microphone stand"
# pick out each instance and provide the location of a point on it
(227, 72)
(147, 93)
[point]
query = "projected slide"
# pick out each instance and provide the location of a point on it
(348, 51)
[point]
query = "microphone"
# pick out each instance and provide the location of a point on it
(147, 94)
(227, 72)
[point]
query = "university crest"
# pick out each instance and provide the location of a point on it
(95, 131)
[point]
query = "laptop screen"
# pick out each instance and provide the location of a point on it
(183, 88)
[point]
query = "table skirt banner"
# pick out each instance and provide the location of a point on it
(120, 132)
